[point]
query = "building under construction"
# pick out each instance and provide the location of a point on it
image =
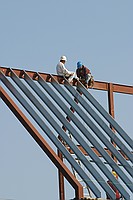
(85, 134)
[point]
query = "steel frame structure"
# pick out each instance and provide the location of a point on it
(58, 159)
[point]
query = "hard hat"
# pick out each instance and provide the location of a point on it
(79, 64)
(114, 173)
(63, 58)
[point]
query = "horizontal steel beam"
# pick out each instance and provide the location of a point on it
(96, 152)
(98, 85)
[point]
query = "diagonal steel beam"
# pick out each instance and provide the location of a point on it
(76, 121)
(60, 116)
(105, 128)
(90, 137)
(57, 113)
(105, 114)
(54, 123)
(101, 123)
(126, 89)
(53, 138)
(63, 120)
(98, 132)
(42, 143)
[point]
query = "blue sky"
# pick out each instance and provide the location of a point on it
(33, 36)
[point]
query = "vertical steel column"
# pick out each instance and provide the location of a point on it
(111, 110)
(61, 179)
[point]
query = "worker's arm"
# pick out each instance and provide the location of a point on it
(61, 70)
(88, 71)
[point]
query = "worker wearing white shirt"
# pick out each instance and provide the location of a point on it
(62, 71)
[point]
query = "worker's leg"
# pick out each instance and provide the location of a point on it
(91, 81)
(87, 78)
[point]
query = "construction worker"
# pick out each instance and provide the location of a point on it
(118, 195)
(84, 74)
(62, 71)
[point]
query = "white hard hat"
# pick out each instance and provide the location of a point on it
(63, 58)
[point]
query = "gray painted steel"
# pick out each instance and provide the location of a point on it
(78, 137)
(105, 128)
(92, 139)
(50, 134)
(99, 133)
(58, 129)
(108, 117)
(68, 125)
(50, 119)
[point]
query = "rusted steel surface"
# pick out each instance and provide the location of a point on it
(98, 85)
(42, 143)
(111, 99)
(123, 89)
(111, 111)
(61, 179)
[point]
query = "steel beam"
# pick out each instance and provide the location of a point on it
(98, 85)
(73, 118)
(111, 111)
(90, 123)
(89, 136)
(53, 138)
(97, 152)
(105, 114)
(42, 143)
(104, 127)
(55, 124)
(57, 113)
(61, 179)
